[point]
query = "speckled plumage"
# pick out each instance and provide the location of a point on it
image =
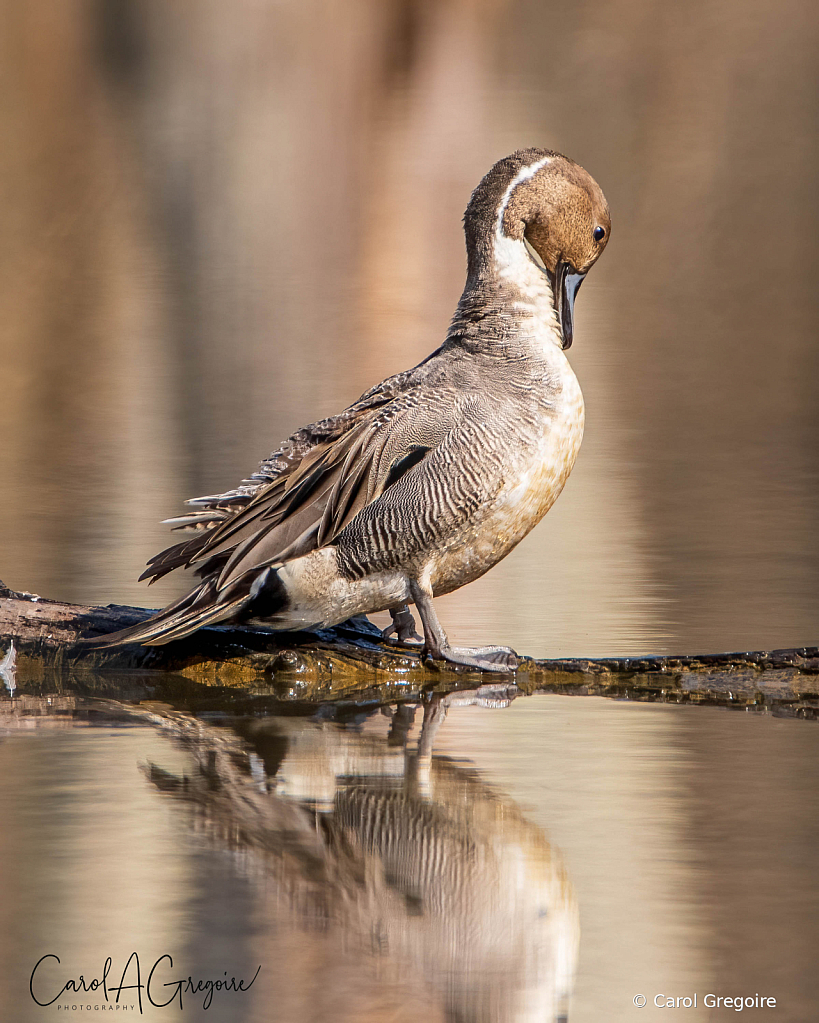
(433, 476)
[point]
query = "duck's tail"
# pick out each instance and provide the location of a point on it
(204, 605)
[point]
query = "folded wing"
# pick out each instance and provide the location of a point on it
(319, 482)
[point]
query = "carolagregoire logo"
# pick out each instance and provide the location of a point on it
(162, 986)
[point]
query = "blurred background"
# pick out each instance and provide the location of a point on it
(222, 221)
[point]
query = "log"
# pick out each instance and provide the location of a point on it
(353, 661)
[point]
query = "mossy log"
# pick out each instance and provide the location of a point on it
(353, 661)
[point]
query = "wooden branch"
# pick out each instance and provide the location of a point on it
(351, 660)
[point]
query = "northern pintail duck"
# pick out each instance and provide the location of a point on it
(435, 474)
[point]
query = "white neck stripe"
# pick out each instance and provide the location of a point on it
(519, 264)
(522, 175)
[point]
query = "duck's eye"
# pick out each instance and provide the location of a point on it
(599, 234)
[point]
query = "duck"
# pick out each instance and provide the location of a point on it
(434, 475)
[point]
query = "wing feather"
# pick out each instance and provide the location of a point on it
(313, 490)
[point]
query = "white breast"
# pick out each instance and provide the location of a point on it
(533, 485)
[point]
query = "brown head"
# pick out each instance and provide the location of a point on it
(539, 205)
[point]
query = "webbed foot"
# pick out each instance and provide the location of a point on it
(494, 654)
(436, 645)
(482, 658)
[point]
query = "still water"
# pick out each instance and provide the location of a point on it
(473, 860)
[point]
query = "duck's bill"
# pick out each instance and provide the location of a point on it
(567, 285)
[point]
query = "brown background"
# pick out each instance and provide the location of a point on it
(220, 221)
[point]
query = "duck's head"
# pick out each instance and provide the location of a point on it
(538, 207)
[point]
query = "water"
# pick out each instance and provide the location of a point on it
(497, 863)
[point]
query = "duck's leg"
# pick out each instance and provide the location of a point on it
(403, 625)
(436, 646)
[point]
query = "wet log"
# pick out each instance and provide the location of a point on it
(353, 661)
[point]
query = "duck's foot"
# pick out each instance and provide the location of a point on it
(482, 658)
(437, 648)
(403, 627)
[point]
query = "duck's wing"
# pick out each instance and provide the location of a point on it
(312, 505)
(309, 505)
(318, 446)
(398, 489)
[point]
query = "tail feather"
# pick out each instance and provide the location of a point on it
(179, 555)
(135, 633)
(183, 624)
(204, 605)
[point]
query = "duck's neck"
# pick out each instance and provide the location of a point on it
(508, 301)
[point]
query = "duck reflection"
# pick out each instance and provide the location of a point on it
(420, 863)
